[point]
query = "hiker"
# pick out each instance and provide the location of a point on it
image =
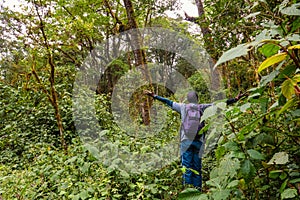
(190, 141)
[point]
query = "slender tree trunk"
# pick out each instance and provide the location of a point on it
(202, 22)
(53, 94)
(139, 57)
(55, 102)
(201, 14)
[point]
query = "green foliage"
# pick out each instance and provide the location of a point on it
(76, 174)
(262, 133)
(191, 194)
(28, 118)
(253, 146)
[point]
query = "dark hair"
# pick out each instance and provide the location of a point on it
(192, 97)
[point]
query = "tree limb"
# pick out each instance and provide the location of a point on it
(53, 93)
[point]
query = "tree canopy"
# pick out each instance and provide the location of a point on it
(75, 123)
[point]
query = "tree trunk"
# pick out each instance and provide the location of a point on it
(201, 14)
(53, 95)
(202, 22)
(139, 57)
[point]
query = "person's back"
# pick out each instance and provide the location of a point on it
(190, 144)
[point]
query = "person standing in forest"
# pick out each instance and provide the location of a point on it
(190, 144)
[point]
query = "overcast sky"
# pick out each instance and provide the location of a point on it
(187, 6)
(13, 4)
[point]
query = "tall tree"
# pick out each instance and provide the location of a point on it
(45, 39)
(202, 22)
(223, 26)
(139, 56)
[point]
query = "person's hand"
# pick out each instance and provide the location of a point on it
(241, 95)
(149, 93)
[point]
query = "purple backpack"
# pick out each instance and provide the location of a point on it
(191, 123)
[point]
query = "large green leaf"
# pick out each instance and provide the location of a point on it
(221, 195)
(289, 193)
(296, 113)
(255, 154)
(233, 184)
(292, 10)
(275, 174)
(279, 158)
(229, 166)
(243, 49)
(84, 194)
(191, 194)
(272, 60)
(287, 71)
(288, 88)
(269, 49)
(233, 53)
(296, 180)
(231, 146)
(296, 79)
(209, 112)
(294, 47)
(248, 170)
(245, 107)
(283, 185)
(268, 78)
(295, 25)
(293, 37)
(286, 106)
(215, 182)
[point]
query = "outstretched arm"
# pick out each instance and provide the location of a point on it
(162, 99)
(233, 100)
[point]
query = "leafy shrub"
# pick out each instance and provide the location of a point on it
(76, 174)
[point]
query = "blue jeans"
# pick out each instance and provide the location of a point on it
(190, 159)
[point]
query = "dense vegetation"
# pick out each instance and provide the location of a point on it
(253, 146)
